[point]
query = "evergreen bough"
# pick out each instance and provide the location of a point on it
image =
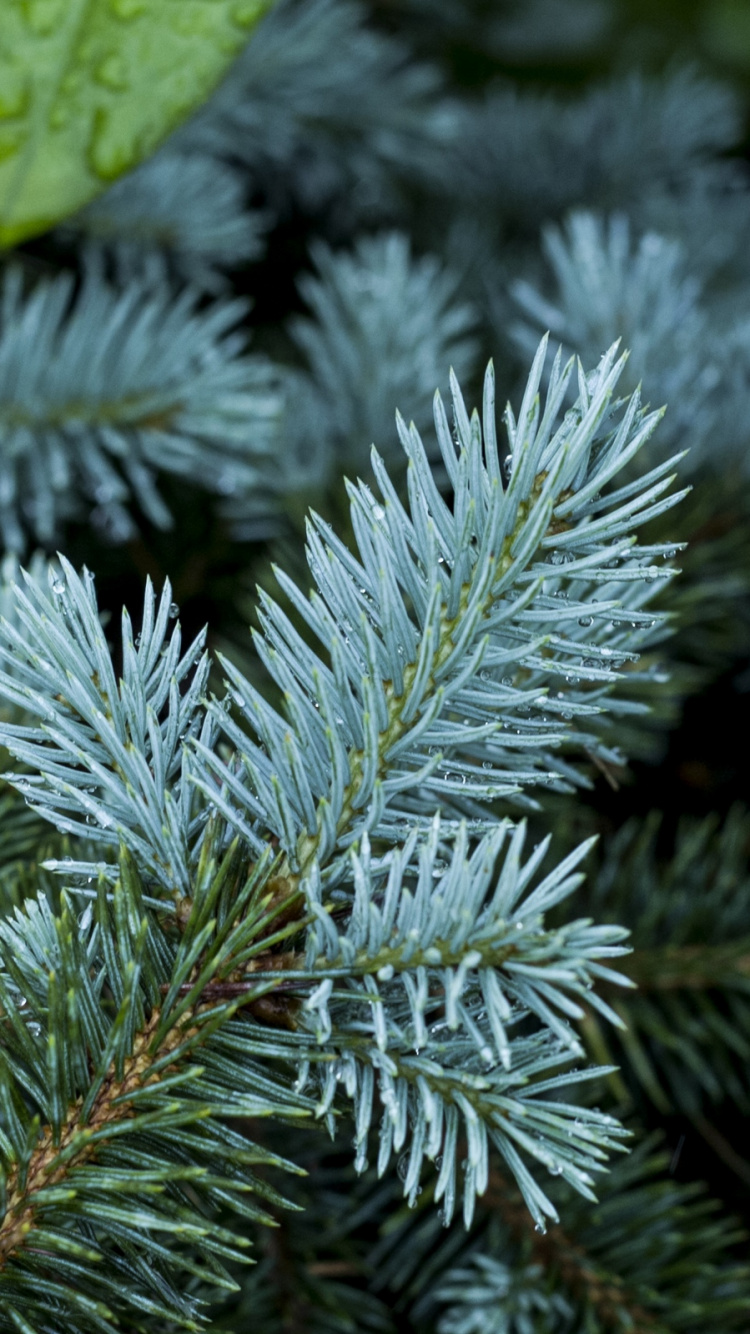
(102, 388)
(332, 903)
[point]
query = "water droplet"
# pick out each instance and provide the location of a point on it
(43, 18)
(112, 72)
(174, 611)
(58, 587)
(113, 147)
(487, 764)
(15, 92)
(59, 117)
(378, 512)
(402, 1166)
(127, 9)
(34, 1028)
(586, 620)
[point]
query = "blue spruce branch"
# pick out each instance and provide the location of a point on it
(306, 879)
(181, 214)
(101, 390)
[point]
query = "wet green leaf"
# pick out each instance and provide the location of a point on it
(88, 88)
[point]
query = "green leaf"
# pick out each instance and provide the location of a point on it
(88, 88)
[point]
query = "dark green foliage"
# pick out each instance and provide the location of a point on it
(688, 1025)
(615, 1266)
(106, 1171)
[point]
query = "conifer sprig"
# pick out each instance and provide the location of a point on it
(109, 760)
(462, 641)
(101, 390)
(371, 938)
(642, 289)
(431, 988)
(386, 324)
(177, 214)
(120, 1099)
(326, 110)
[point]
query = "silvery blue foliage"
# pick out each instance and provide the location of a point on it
(717, 256)
(430, 989)
(10, 576)
(179, 213)
(457, 653)
(108, 757)
(609, 284)
(525, 31)
(689, 347)
(386, 325)
(536, 155)
(417, 908)
(102, 389)
(541, 30)
(112, 761)
(325, 108)
(462, 643)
